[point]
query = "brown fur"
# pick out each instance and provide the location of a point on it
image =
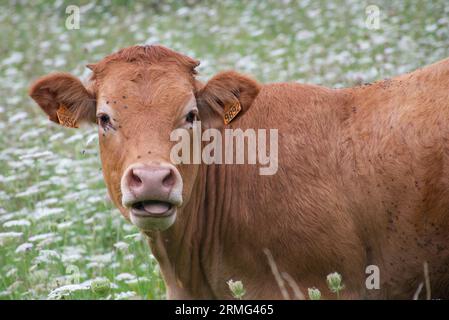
(363, 176)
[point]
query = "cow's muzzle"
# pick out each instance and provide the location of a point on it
(152, 194)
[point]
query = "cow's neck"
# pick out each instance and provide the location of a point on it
(186, 251)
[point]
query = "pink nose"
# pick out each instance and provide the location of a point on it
(150, 182)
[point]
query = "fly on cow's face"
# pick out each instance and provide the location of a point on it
(105, 121)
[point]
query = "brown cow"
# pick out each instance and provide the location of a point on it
(362, 179)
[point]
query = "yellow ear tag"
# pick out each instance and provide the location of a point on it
(65, 117)
(232, 111)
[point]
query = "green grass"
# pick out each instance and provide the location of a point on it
(52, 196)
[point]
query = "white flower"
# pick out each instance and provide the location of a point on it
(135, 236)
(36, 155)
(47, 256)
(15, 57)
(91, 138)
(121, 245)
(125, 295)
(334, 282)
(24, 247)
(314, 294)
(102, 258)
(72, 254)
(42, 236)
(17, 223)
(63, 291)
(237, 289)
(125, 276)
(11, 272)
(28, 192)
(9, 236)
(46, 212)
(64, 225)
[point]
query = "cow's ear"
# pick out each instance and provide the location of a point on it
(64, 99)
(226, 97)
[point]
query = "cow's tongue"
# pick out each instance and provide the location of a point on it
(157, 207)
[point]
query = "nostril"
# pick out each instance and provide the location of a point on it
(169, 179)
(134, 179)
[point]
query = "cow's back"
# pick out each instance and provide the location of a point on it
(362, 180)
(398, 135)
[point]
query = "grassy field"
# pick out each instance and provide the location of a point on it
(56, 226)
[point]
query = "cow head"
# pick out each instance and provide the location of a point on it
(137, 97)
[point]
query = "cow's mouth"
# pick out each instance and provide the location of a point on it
(152, 208)
(151, 215)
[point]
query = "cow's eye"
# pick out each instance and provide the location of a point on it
(192, 116)
(103, 119)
